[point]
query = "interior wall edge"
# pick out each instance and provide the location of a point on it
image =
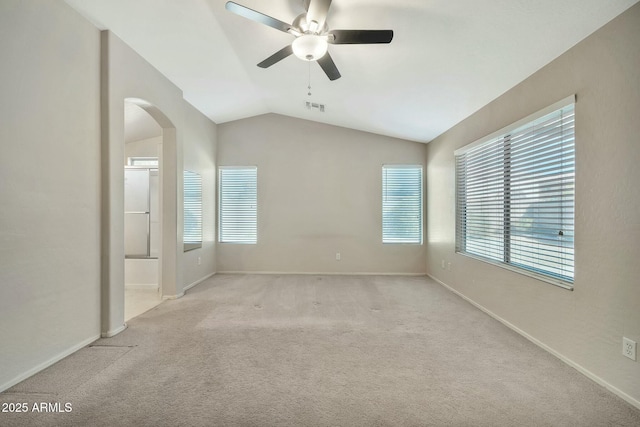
(113, 332)
(170, 297)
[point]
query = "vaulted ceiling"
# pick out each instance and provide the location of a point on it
(447, 58)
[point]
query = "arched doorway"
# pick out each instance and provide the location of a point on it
(142, 227)
(113, 287)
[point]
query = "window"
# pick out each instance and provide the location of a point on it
(192, 211)
(237, 201)
(402, 204)
(143, 161)
(515, 196)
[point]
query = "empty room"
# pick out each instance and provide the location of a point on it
(319, 213)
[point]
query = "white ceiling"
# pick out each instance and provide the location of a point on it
(447, 58)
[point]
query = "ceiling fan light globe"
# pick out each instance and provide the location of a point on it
(310, 47)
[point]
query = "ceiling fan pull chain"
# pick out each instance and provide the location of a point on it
(309, 79)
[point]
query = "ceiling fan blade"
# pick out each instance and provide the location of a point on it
(257, 16)
(317, 11)
(278, 56)
(360, 36)
(329, 67)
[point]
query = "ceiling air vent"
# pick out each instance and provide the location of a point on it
(313, 106)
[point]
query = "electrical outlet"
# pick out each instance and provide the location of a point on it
(442, 264)
(337, 256)
(628, 348)
(449, 266)
(199, 260)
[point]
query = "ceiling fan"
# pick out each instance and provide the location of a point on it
(312, 35)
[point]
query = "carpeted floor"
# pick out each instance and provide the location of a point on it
(260, 350)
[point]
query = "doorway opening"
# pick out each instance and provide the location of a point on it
(142, 223)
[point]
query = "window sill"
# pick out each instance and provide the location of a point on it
(541, 277)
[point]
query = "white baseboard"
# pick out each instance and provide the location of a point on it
(114, 332)
(540, 344)
(166, 297)
(197, 282)
(322, 273)
(47, 363)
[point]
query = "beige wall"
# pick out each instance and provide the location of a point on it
(49, 185)
(199, 156)
(187, 134)
(200, 141)
(62, 180)
(319, 192)
(585, 326)
(127, 76)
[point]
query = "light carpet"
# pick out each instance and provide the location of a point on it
(266, 350)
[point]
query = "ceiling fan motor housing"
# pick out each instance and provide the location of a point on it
(304, 27)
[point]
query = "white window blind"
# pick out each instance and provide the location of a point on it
(515, 196)
(402, 204)
(192, 201)
(238, 198)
